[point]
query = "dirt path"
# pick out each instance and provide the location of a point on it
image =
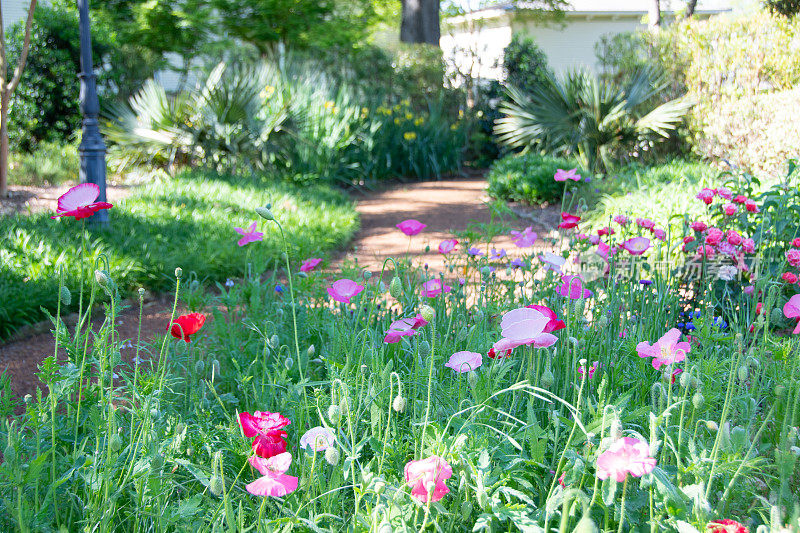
(444, 206)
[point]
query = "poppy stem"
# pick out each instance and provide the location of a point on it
(622, 509)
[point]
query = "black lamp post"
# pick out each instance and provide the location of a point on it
(92, 147)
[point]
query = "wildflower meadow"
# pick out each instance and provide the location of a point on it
(641, 375)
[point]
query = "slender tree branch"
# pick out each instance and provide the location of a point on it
(23, 57)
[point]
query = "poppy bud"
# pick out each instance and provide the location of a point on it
(332, 456)
(685, 380)
(472, 379)
(466, 510)
(742, 373)
(274, 342)
(424, 348)
(427, 312)
(399, 404)
(288, 362)
(115, 443)
(483, 499)
(616, 430)
(548, 379)
(461, 336)
(311, 351)
(141, 294)
(215, 369)
(711, 425)
(585, 525)
(478, 314)
(795, 450)
(199, 366)
(698, 400)
(334, 414)
(265, 213)
(385, 527)
(396, 287)
(216, 486)
(65, 295)
(156, 463)
(776, 316)
(178, 272)
(279, 312)
(603, 321)
(101, 278)
(780, 391)
(10, 454)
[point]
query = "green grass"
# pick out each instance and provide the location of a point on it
(186, 222)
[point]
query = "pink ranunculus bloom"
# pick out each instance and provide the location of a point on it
(725, 192)
(405, 327)
(665, 351)
(274, 482)
(636, 245)
(447, 246)
(792, 310)
(569, 221)
(433, 471)
(698, 225)
(729, 209)
(343, 290)
(553, 323)
(714, 236)
(749, 246)
(79, 202)
(796, 242)
(318, 439)
(249, 235)
(789, 278)
(623, 457)
(592, 369)
(751, 207)
(645, 223)
(707, 251)
(688, 239)
(564, 175)
(622, 220)
(733, 237)
(411, 227)
(793, 257)
(552, 261)
(706, 195)
(464, 361)
(572, 287)
(433, 288)
(524, 326)
(310, 264)
(739, 199)
(524, 238)
(659, 234)
(606, 231)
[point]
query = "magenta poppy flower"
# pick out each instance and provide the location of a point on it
(636, 245)
(726, 525)
(310, 264)
(447, 246)
(698, 226)
(592, 369)
(553, 323)
(79, 202)
(645, 223)
(706, 195)
(604, 251)
(434, 287)
(318, 439)
(411, 227)
(725, 192)
(740, 199)
(729, 209)
(343, 290)
(405, 327)
(552, 261)
(261, 422)
(433, 471)
(792, 310)
(659, 234)
(524, 238)
(464, 361)
(607, 230)
(623, 457)
(622, 220)
(569, 221)
(789, 277)
(734, 238)
(274, 482)
(270, 444)
(572, 287)
(249, 235)
(524, 326)
(564, 175)
(751, 207)
(665, 351)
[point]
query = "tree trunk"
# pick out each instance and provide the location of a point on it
(5, 98)
(420, 23)
(654, 17)
(690, 5)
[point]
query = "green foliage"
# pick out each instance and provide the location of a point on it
(50, 163)
(186, 222)
(787, 8)
(597, 122)
(528, 177)
(525, 64)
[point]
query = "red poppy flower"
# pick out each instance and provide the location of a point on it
(725, 525)
(186, 325)
(270, 444)
(79, 202)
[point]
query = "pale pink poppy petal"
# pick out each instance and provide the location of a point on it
(273, 485)
(78, 196)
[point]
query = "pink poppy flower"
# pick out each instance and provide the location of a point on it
(274, 482)
(645, 223)
(750, 289)
(405, 327)
(604, 251)
(270, 444)
(622, 220)
(318, 439)
(740, 199)
(433, 288)
(594, 239)
(564, 175)
(310, 264)
(751, 207)
(659, 234)
(464, 361)
(494, 355)
(249, 235)
(729, 209)
(726, 525)
(714, 236)
(434, 471)
(261, 422)
(636, 245)
(725, 192)
(707, 251)
(699, 226)
(79, 202)
(572, 287)
(688, 239)
(796, 242)
(553, 323)
(706, 195)
(792, 310)
(793, 257)
(344, 289)
(623, 457)
(749, 246)
(524, 238)
(569, 221)
(552, 261)
(665, 351)
(524, 326)
(592, 369)
(675, 373)
(605, 231)
(411, 227)
(447, 246)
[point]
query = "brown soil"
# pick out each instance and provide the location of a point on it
(445, 205)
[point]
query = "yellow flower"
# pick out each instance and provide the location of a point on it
(419, 121)
(328, 105)
(454, 127)
(268, 91)
(409, 135)
(409, 116)
(364, 111)
(397, 121)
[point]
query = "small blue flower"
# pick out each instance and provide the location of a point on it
(681, 324)
(697, 314)
(587, 179)
(278, 288)
(690, 326)
(229, 283)
(645, 282)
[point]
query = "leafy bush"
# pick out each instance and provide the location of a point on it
(50, 163)
(525, 65)
(186, 222)
(528, 178)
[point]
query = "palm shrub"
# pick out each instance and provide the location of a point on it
(579, 116)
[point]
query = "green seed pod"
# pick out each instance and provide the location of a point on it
(302, 275)
(178, 272)
(427, 312)
(141, 294)
(367, 275)
(399, 404)
(265, 213)
(472, 379)
(548, 379)
(216, 486)
(424, 348)
(288, 363)
(332, 456)
(199, 366)
(65, 296)
(698, 400)
(115, 443)
(334, 414)
(101, 277)
(311, 351)
(396, 287)
(466, 510)
(742, 373)
(156, 463)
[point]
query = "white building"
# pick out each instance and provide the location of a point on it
(474, 42)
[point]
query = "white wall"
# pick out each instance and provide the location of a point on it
(14, 10)
(479, 51)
